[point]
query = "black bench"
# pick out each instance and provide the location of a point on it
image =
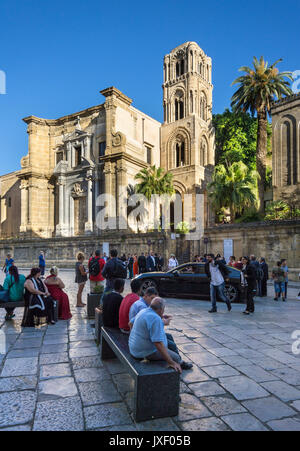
(15, 304)
(156, 393)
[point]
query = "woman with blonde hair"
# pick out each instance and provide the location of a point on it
(80, 278)
(55, 287)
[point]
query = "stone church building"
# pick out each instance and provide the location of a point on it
(73, 159)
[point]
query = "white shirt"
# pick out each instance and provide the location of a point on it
(173, 263)
(216, 275)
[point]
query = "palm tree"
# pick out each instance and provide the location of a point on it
(258, 88)
(154, 180)
(233, 187)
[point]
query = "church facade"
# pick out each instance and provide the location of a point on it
(73, 159)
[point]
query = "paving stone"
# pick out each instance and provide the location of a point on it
(17, 407)
(91, 375)
(194, 375)
(222, 352)
(8, 384)
(206, 389)
(257, 373)
(288, 375)
(288, 424)
(48, 359)
(86, 362)
(266, 409)
(53, 340)
(191, 408)
(220, 371)
(55, 370)
(98, 393)
(236, 361)
(124, 383)
(20, 367)
(54, 349)
(23, 353)
(190, 347)
(221, 405)
(83, 344)
(282, 390)
(125, 427)
(59, 415)
(57, 388)
(105, 415)
(21, 428)
(267, 363)
(204, 359)
(204, 424)
(83, 352)
(242, 387)
(296, 405)
(243, 422)
(25, 344)
(159, 424)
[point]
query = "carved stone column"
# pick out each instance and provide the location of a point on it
(60, 229)
(24, 206)
(89, 224)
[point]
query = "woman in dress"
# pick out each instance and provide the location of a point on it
(55, 287)
(135, 266)
(172, 262)
(80, 278)
(39, 306)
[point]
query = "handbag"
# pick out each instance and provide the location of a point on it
(4, 295)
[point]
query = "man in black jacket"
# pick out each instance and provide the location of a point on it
(217, 273)
(142, 263)
(113, 269)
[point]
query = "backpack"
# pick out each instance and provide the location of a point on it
(94, 267)
(120, 270)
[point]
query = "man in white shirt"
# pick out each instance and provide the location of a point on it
(217, 273)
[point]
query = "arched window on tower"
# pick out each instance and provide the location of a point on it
(179, 105)
(182, 71)
(180, 153)
(177, 69)
(191, 61)
(203, 106)
(203, 152)
(191, 102)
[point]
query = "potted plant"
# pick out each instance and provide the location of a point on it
(93, 300)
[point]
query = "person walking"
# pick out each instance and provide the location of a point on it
(9, 261)
(217, 273)
(172, 262)
(265, 269)
(249, 283)
(278, 275)
(80, 278)
(130, 265)
(286, 281)
(42, 263)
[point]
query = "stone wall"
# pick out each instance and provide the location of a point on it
(272, 240)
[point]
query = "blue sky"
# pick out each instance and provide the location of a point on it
(58, 55)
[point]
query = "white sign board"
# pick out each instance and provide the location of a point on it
(228, 249)
(105, 248)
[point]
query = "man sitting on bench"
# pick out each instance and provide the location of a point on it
(148, 339)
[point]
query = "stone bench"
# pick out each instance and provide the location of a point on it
(156, 392)
(15, 304)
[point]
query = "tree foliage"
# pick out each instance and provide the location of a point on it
(154, 180)
(233, 187)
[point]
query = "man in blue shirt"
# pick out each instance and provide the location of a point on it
(148, 339)
(9, 261)
(142, 303)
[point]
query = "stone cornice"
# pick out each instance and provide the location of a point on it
(285, 101)
(124, 156)
(112, 91)
(60, 121)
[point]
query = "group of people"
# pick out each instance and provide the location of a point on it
(39, 294)
(143, 318)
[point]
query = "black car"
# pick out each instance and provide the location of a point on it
(190, 280)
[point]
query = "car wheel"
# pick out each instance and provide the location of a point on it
(231, 293)
(148, 283)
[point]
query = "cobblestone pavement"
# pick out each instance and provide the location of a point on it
(245, 376)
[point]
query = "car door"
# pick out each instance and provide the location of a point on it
(197, 282)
